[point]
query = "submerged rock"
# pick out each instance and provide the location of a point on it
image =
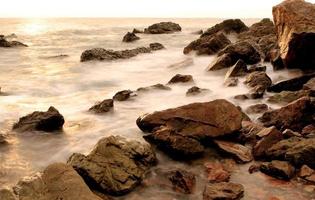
(48, 121)
(223, 191)
(182, 181)
(179, 78)
(163, 28)
(194, 91)
(103, 107)
(130, 37)
(158, 86)
(278, 169)
(115, 166)
(295, 27)
(227, 26)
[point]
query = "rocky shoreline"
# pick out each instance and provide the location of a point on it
(279, 144)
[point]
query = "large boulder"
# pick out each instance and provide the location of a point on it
(208, 45)
(48, 121)
(227, 26)
(58, 181)
(295, 27)
(130, 37)
(223, 191)
(115, 165)
(162, 28)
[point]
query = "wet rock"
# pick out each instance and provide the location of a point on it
(288, 96)
(48, 121)
(278, 169)
(231, 82)
(208, 45)
(257, 92)
(223, 191)
(216, 172)
(227, 26)
(163, 28)
(257, 108)
(122, 95)
(269, 136)
(310, 85)
(241, 97)
(239, 152)
(6, 43)
(278, 150)
(258, 79)
(158, 86)
(7, 194)
(223, 61)
(294, 116)
(137, 31)
(288, 133)
(196, 120)
(179, 78)
(256, 68)
(307, 173)
(295, 27)
(182, 181)
(156, 46)
(239, 69)
(103, 107)
(293, 84)
(130, 37)
(58, 181)
(194, 91)
(115, 166)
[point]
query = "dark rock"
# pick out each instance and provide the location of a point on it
(258, 79)
(156, 46)
(227, 26)
(48, 121)
(194, 91)
(158, 86)
(6, 43)
(257, 92)
(307, 173)
(162, 28)
(241, 97)
(130, 37)
(308, 130)
(277, 62)
(231, 82)
(278, 169)
(183, 181)
(223, 61)
(208, 45)
(288, 96)
(216, 172)
(223, 191)
(122, 95)
(256, 68)
(179, 78)
(258, 30)
(310, 85)
(239, 152)
(254, 168)
(278, 150)
(115, 166)
(103, 107)
(302, 153)
(257, 108)
(288, 133)
(137, 31)
(239, 69)
(295, 27)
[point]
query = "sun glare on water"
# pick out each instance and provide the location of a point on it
(34, 27)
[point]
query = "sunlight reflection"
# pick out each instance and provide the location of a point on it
(34, 27)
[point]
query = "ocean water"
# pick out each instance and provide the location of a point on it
(33, 79)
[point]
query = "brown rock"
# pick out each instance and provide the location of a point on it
(231, 82)
(293, 84)
(156, 46)
(307, 173)
(158, 86)
(223, 61)
(258, 79)
(227, 26)
(163, 28)
(103, 107)
(239, 152)
(223, 191)
(257, 108)
(194, 91)
(130, 37)
(288, 96)
(122, 95)
(182, 181)
(179, 78)
(278, 169)
(308, 130)
(239, 69)
(216, 172)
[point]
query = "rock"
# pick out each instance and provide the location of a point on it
(196, 120)
(269, 136)
(227, 26)
(130, 37)
(291, 84)
(156, 46)
(216, 172)
(277, 62)
(295, 27)
(7, 194)
(307, 173)
(257, 108)
(103, 107)
(278, 150)
(310, 85)
(48, 121)
(231, 82)
(278, 169)
(208, 45)
(258, 79)
(239, 69)
(223, 61)
(249, 131)
(137, 31)
(163, 28)
(288, 133)
(308, 130)
(122, 95)
(294, 116)
(182, 181)
(175, 145)
(58, 181)
(288, 96)
(179, 78)
(194, 91)
(302, 153)
(6, 43)
(256, 68)
(254, 168)
(239, 152)
(223, 191)
(257, 92)
(258, 30)
(158, 86)
(241, 97)
(115, 165)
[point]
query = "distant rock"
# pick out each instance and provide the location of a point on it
(158, 86)
(223, 191)
(227, 26)
(182, 181)
(156, 46)
(48, 121)
(103, 107)
(179, 78)
(5, 43)
(130, 37)
(163, 28)
(195, 91)
(137, 31)
(122, 95)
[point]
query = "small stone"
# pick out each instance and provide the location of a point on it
(179, 78)
(231, 82)
(182, 181)
(216, 172)
(103, 107)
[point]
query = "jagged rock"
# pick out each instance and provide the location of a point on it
(288, 96)
(278, 169)
(307, 173)
(156, 46)
(208, 45)
(182, 181)
(137, 31)
(48, 121)
(179, 78)
(158, 86)
(295, 27)
(293, 84)
(216, 172)
(130, 37)
(103, 107)
(162, 28)
(231, 82)
(221, 62)
(223, 191)
(239, 152)
(239, 69)
(194, 91)
(115, 165)
(257, 108)
(122, 95)
(227, 26)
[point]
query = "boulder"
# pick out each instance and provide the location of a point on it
(221, 62)
(182, 181)
(277, 151)
(258, 79)
(48, 121)
(115, 166)
(216, 172)
(103, 107)
(294, 116)
(293, 84)
(239, 152)
(257, 108)
(288, 96)
(122, 95)
(208, 45)
(163, 28)
(130, 37)
(179, 78)
(295, 27)
(278, 169)
(58, 181)
(223, 191)
(158, 86)
(156, 46)
(239, 69)
(227, 27)
(307, 173)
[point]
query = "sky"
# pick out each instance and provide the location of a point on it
(139, 8)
